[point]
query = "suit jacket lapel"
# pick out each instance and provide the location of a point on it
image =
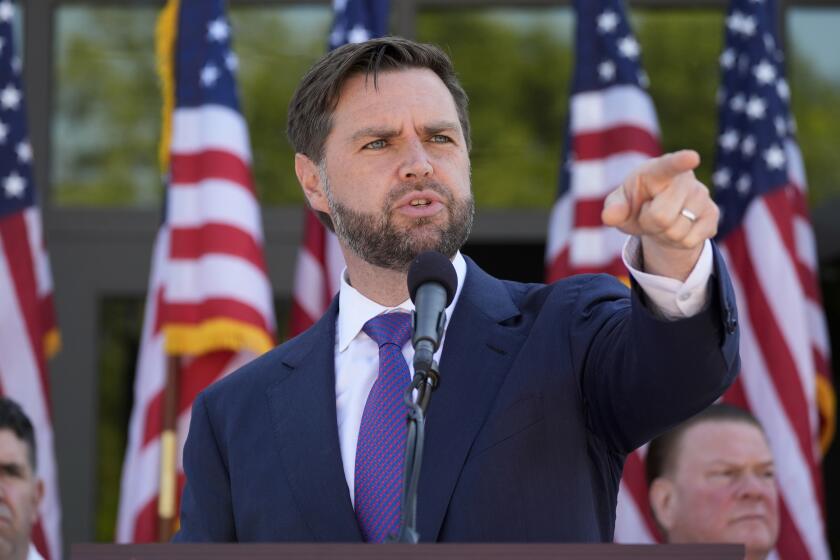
(478, 352)
(302, 405)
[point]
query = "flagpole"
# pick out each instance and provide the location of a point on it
(165, 34)
(169, 453)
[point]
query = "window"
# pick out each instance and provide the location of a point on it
(106, 123)
(107, 107)
(814, 74)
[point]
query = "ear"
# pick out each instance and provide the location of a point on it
(663, 502)
(310, 181)
(37, 496)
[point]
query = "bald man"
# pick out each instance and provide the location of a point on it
(712, 480)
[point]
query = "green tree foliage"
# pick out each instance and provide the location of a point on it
(680, 50)
(108, 103)
(107, 118)
(515, 64)
(275, 48)
(816, 106)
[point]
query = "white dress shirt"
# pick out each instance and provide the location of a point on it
(357, 355)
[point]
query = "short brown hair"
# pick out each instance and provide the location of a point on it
(310, 110)
(662, 450)
(13, 418)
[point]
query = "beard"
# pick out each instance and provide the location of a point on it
(379, 241)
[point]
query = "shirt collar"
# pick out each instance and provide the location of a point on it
(354, 309)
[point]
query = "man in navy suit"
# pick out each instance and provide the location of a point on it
(544, 389)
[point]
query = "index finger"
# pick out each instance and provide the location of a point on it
(664, 168)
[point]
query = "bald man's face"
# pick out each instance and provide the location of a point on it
(720, 487)
(20, 494)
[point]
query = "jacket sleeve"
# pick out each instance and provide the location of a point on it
(641, 374)
(206, 511)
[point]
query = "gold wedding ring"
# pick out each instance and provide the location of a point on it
(689, 215)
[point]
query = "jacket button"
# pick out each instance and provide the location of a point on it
(731, 323)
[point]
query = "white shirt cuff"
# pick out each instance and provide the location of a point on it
(671, 298)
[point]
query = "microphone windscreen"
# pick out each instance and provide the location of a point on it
(432, 266)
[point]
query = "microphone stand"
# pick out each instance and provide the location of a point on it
(425, 381)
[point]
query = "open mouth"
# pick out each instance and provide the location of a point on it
(420, 204)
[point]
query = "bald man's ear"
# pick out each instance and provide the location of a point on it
(663, 502)
(310, 180)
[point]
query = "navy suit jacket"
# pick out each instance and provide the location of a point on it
(544, 390)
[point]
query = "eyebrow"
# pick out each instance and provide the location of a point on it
(387, 132)
(440, 126)
(374, 132)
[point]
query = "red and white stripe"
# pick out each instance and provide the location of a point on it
(317, 274)
(26, 317)
(207, 264)
(612, 132)
(634, 520)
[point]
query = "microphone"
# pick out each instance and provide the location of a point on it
(431, 283)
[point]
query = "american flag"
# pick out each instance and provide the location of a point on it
(209, 299)
(320, 262)
(612, 128)
(766, 237)
(28, 333)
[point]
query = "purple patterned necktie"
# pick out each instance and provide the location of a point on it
(380, 451)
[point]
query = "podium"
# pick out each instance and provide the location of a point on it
(442, 551)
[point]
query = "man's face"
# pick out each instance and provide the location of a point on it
(721, 489)
(396, 175)
(20, 494)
